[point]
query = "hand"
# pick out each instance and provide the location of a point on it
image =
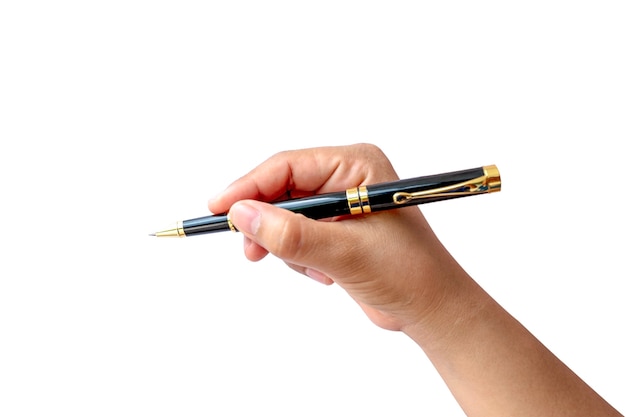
(390, 262)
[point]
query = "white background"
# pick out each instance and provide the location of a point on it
(120, 117)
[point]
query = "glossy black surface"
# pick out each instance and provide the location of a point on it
(381, 195)
(335, 204)
(320, 206)
(207, 224)
(316, 207)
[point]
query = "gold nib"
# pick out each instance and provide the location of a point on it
(174, 231)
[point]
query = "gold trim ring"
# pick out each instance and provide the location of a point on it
(354, 202)
(231, 226)
(365, 200)
(492, 175)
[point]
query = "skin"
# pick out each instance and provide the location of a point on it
(490, 362)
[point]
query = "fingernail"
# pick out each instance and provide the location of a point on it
(245, 218)
(318, 276)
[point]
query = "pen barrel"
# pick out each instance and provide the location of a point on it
(365, 199)
(319, 206)
(315, 207)
(426, 189)
(206, 224)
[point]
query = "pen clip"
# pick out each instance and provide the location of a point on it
(487, 183)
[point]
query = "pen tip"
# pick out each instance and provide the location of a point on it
(152, 234)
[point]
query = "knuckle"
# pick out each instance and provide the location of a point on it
(371, 149)
(368, 151)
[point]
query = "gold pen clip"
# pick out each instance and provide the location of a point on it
(487, 183)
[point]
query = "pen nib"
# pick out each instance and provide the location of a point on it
(174, 231)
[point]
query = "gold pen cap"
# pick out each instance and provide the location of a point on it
(492, 178)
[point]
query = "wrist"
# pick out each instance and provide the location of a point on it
(450, 314)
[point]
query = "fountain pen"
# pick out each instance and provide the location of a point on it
(363, 199)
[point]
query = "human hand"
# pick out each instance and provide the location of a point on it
(396, 269)
(390, 262)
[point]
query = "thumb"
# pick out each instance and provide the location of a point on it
(291, 237)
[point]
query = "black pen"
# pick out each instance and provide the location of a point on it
(364, 199)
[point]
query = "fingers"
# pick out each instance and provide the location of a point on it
(252, 250)
(312, 273)
(390, 262)
(255, 252)
(303, 243)
(318, 276)
(305, 172)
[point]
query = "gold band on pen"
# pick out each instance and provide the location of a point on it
(180, 229)
(358, 200)
(365, 200)
(231, 226)
(354, 203)
(492, 178)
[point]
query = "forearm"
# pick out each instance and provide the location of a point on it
(495, 367)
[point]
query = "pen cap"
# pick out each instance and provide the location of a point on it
(492, 180)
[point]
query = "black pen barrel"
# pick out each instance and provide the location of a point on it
(319, 206)
(364, 199)
(206, 224)
(315, 207)
(381, 195)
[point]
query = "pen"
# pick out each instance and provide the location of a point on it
(363, 199)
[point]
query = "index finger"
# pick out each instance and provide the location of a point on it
(304, 172)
